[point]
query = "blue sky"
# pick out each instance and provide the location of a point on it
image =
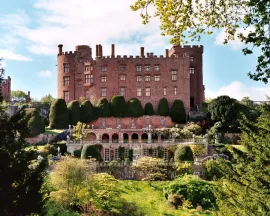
(30, 31)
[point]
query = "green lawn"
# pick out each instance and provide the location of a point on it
(151, 200)
(51, 131)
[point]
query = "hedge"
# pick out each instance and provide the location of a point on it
(74, 112)
(35, 122)
(118, 106)
(183, 153)
(178, 112)
(134, 108)
(88, 112)
(59, 116)
(91, 151)
(103, 108)
(148, 109)
(163, 107)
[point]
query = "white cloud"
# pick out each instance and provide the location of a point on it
(45, 73)
(9, 54)
(238, 90)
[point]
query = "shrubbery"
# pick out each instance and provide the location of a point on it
(35, 122)
(118, 106)
(74, 112)
(134, 108)
(88, 112)
(59, 117)
(91, 151)
(103, 108)
(183, 153)
(178, 112)
(148, 109)
(194, 128)
(211, 170)
(163, 107)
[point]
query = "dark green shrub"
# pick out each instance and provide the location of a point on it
(35, 122)
(148, 109)
(88, 112)
(130, 154)
(211, 170)
(91, 151)
(74, 112)
(178, 112)
(134, 108)
(183, 153)
(59, 117)
(121, 153)
(163, 107)
(77, 153)
(63, 148)
(103, 108)
(118, 106)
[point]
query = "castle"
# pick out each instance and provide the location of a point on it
(6, 89)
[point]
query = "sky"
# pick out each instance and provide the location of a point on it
(30, 31)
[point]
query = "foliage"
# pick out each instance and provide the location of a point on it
(134, 108)
(78, 131)
(130, 154)
(35, 122)
(77, 153)
(59, 115)
(211, 170)
(175, 200)
(91, 151)
(148, 109)
(184, 168)
(74, 112)
(163, 107)
(183, 153)
(18, 96)
(88, 112)
(198, 150)
(103, 108)
(178, 112)
(212, 132)
(193, 128)
(194, 189)
(47, 99)
(160, 152)
(121, 153)
(118, 106)
(190, 19)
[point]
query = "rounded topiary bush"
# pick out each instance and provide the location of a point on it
(35, 122)
(77, 153)
(163, 107)
(88, 112)
(103, 108)
(178, 112)
(118, 106)
(183, 153)
(134, 108)
(74, 112)
(148, 109)
(59, 117)
(92, 151)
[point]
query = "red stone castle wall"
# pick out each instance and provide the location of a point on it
(6, 89)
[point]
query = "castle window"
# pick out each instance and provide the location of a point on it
(157, 78)
(139, 78)
(156, 67)
(192, 70)
(103, 92)
(122, 91)
(106, 155)
(139, 92)
(123, 77)
(103, 68)
(103, 79)
(147, 79)
(66, 95)
(174, 75)
(89, 78)
(147, 92)
(175, 90)
(66, 67)
(147, 68)
(66, 81)
(122, 67)
(191, 59)
(87, 68)
(139, 68)
(164, 91)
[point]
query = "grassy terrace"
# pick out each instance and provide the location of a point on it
(52, 131)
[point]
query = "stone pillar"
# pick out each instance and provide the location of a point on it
(121, 137)
(140, 139)
(149, 137)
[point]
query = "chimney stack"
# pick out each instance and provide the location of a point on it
(113, 51)
(167, 53)
(60, 49)
(142, 51)
(96, 50)
(100, 50)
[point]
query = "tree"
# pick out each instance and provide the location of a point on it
(134, 108)
(163, 107)
(47, 99)
(59, 116)
(103, 108)
(92, 151)
(183, 153)
(244, 188)
(74, 112)
(178, 112)
(18, 96)
(190, 19)
(88, 112)
(118, 106)
(148, 109)
(35, 122)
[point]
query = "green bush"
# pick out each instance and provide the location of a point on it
(183, 153)
(74, 112)
(118, 106)
(59, 116)
(103, 108)
(163, 107)
(91, 151)
(88, 112)
(194, 189)
(35, 122)
(178, 112)
(134, 108)
(77, 153)
(194, 128)
(211, 170)
(63, 148)
(148, 109)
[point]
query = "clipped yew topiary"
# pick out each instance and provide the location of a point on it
(148, 109)
(183, 153)
(74, 112)
(163, 107)
(59, 117)
(92, 151)
(35, 122)
(134, 108)
(118, 106)
(178, 112)
(103, 108)
(88, 112)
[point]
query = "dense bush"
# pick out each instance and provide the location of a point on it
(60, 137)
(178, 112)
(118, 106)
(59, 117)
(77, 153)
(134, 108)
(103, 108)
(148, 109)
(74, 112)
(183, 153)
(35, 122)
(91, 151)
(194, 189)
(88, 112)
(63, 148)
(198, 150)
(163, 107)
(211, 170)
(194, 128)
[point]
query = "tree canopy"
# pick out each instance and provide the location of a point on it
(35, 122)
(103, 108)
(47, 99)
(118, 106)
(18, 96)
(134, 108)
(88, 112)
(74, 112)
(59, 115)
